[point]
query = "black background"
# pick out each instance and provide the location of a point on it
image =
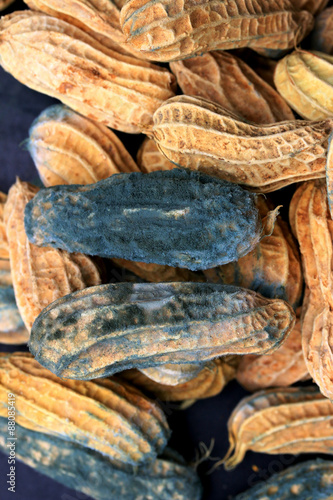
(206, 420)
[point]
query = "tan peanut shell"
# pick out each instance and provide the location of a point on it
(290, 420)
(197, 134)
(40, 274)
(227, 80)
(273, 268)
(149, 157)
(313, 228)
(165, 30)
(99, 18)
(68, 148)
(209, 382)
(150, 324)
(282, 368)
(322, 34)
(108, 416)
(313, 6)
(304, 79)
(53, 57)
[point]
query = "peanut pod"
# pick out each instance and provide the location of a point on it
(70, 149)
(274, 421)
(227, 80)
(108, 416)
(174, 218)
(53, 57)
(110, 328)
(311, 479)
(93, 474)
(200, 135)
(165, 30)
(322, 34)
(40, 275)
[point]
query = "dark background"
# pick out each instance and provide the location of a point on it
(207, 419)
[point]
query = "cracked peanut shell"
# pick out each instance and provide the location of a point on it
(168, 30)
(58, 59)
(40, 275)
(225, 79)
(200, 135)
(108, 416)
(176, 218)
(277, 421)
(109, 328)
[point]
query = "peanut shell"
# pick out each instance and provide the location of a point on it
(70, 149)
(108, 416)
(322, 34)
(53, 57)
(165, 30)
(274, 421)
(166, 218)
(227, 80)
(200, 135)
(40, 275)
(150, 324)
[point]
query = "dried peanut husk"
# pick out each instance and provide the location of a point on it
(149, 158)
(282, 368)
(209, 382)
(108, 416)
(227, 80)
(322, 34)
(313, 6)
(313, 228)
(164, 30)
(290, 420)
(99, 18)
(40, 275)
(53, 57)
(200, 135)
(263, 66)
(311, 480)
(68, 148)
(93, 474)
(305, 79)
(273, 268)
(150, 324)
